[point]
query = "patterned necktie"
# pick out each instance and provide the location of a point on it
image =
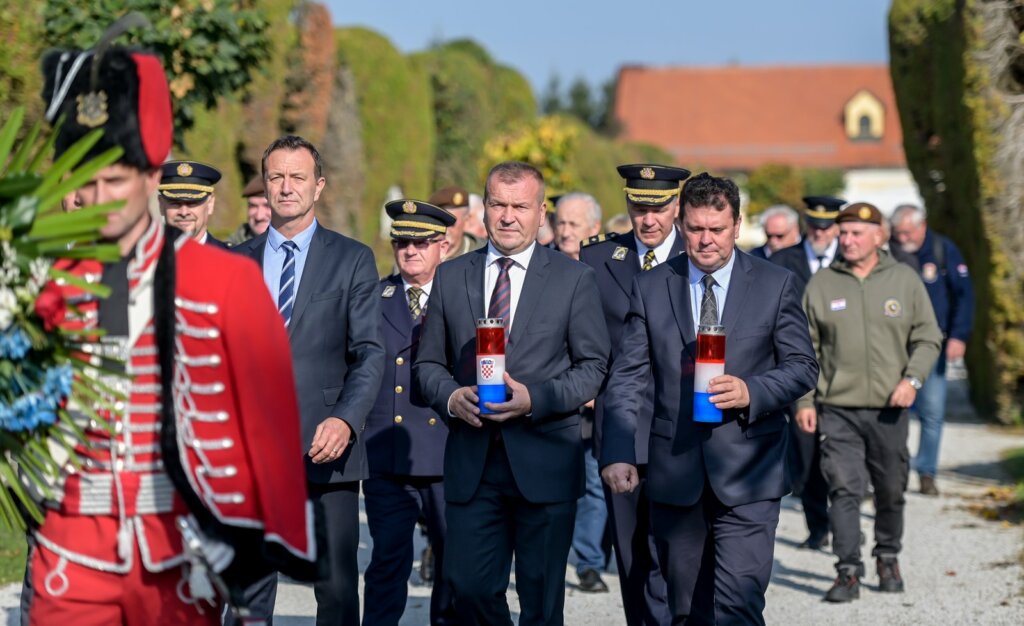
(648, 260)
(501, 297)
(286, 290)
(708, 303)
(414, 294)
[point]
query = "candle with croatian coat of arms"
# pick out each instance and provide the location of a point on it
(490, 361)
(710, 363)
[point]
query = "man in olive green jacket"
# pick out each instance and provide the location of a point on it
(876, 339)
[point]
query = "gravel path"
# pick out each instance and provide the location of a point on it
(959, 569)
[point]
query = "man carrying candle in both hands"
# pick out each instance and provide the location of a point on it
(714, 488)
(512, 475)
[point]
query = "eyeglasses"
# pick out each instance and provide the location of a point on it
(419, 244)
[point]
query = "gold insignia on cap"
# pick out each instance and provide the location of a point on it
(457, 198)
(184, 169)
(864, 213)
(620, 253)
(647, 173)
(388, 291)
(409, 206)
(92, 109)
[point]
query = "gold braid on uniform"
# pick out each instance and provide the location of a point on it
(651, 195)
(437, 228)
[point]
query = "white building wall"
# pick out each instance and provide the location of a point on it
(884, 188)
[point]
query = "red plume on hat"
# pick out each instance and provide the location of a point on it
(121, 90)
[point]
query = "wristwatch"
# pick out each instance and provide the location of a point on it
(914, 381)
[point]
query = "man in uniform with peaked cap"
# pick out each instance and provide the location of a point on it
(405, 438)
(175, 496)
(652, 201)
(187, 198)
(455, 200)
(817, 250)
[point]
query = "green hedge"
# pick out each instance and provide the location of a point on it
(954, 120)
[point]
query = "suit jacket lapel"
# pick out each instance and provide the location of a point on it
(623, 271)
(256, 248)
(396, 309)
(679, 246)
(475, 282)
(679, 295)
(530, 296)
(312, 272)
(739, 285)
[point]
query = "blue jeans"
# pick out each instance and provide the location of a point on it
(930, 408)
(591, 517)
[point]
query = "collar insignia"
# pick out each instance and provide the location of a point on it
(388, 291)
(620, 253)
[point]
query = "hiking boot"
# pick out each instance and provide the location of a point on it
(928, 487)
(427, 564)
(591, 582)
(815, 542)
(889, 578)
(846, 588)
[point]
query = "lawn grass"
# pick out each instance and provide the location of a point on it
(12, 556)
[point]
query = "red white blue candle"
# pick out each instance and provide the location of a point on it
(710, 363)
(490, 361)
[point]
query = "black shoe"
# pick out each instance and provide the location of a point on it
(928, 487)
(815, 542)
(590, 582)
(846, 588)
(889, 578)
(427, 564)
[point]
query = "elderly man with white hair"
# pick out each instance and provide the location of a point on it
(942, 268)
(781, 226)
(577, 219)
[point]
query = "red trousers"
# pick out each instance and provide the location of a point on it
(85, 597)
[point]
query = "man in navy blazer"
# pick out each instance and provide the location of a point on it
(512, 477)
(325, 285)
(714, 488)
(404, 437)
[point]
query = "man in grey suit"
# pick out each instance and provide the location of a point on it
(325, 286)
(714, 488)
(512, 476)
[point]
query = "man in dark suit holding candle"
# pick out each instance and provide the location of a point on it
(714, 488)
(512, 477)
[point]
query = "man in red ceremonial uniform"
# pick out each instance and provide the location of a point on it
(194, 482)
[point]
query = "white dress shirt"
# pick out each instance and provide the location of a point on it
(827, 258)
(660, 253)
(516, 276)
(722, 276)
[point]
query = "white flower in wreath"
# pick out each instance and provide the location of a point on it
(8, 307)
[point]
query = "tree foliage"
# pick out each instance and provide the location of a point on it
(210, 47)
(958, 76)
(776, 183)
(593, 107)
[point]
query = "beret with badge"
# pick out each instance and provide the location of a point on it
(413, 219)
(450, 198)
(860, 212)
(187, 181)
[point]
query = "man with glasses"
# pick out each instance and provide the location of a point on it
(404, 437)
(781, 225)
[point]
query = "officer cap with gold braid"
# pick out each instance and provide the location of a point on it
(822, 211)
(187, 181)
(413, 219)
(652, 185)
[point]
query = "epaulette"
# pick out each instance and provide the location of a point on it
(600, 238)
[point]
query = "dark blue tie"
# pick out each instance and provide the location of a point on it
(286, 291)
(501, 297)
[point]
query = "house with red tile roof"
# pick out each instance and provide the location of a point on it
(734, 119)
